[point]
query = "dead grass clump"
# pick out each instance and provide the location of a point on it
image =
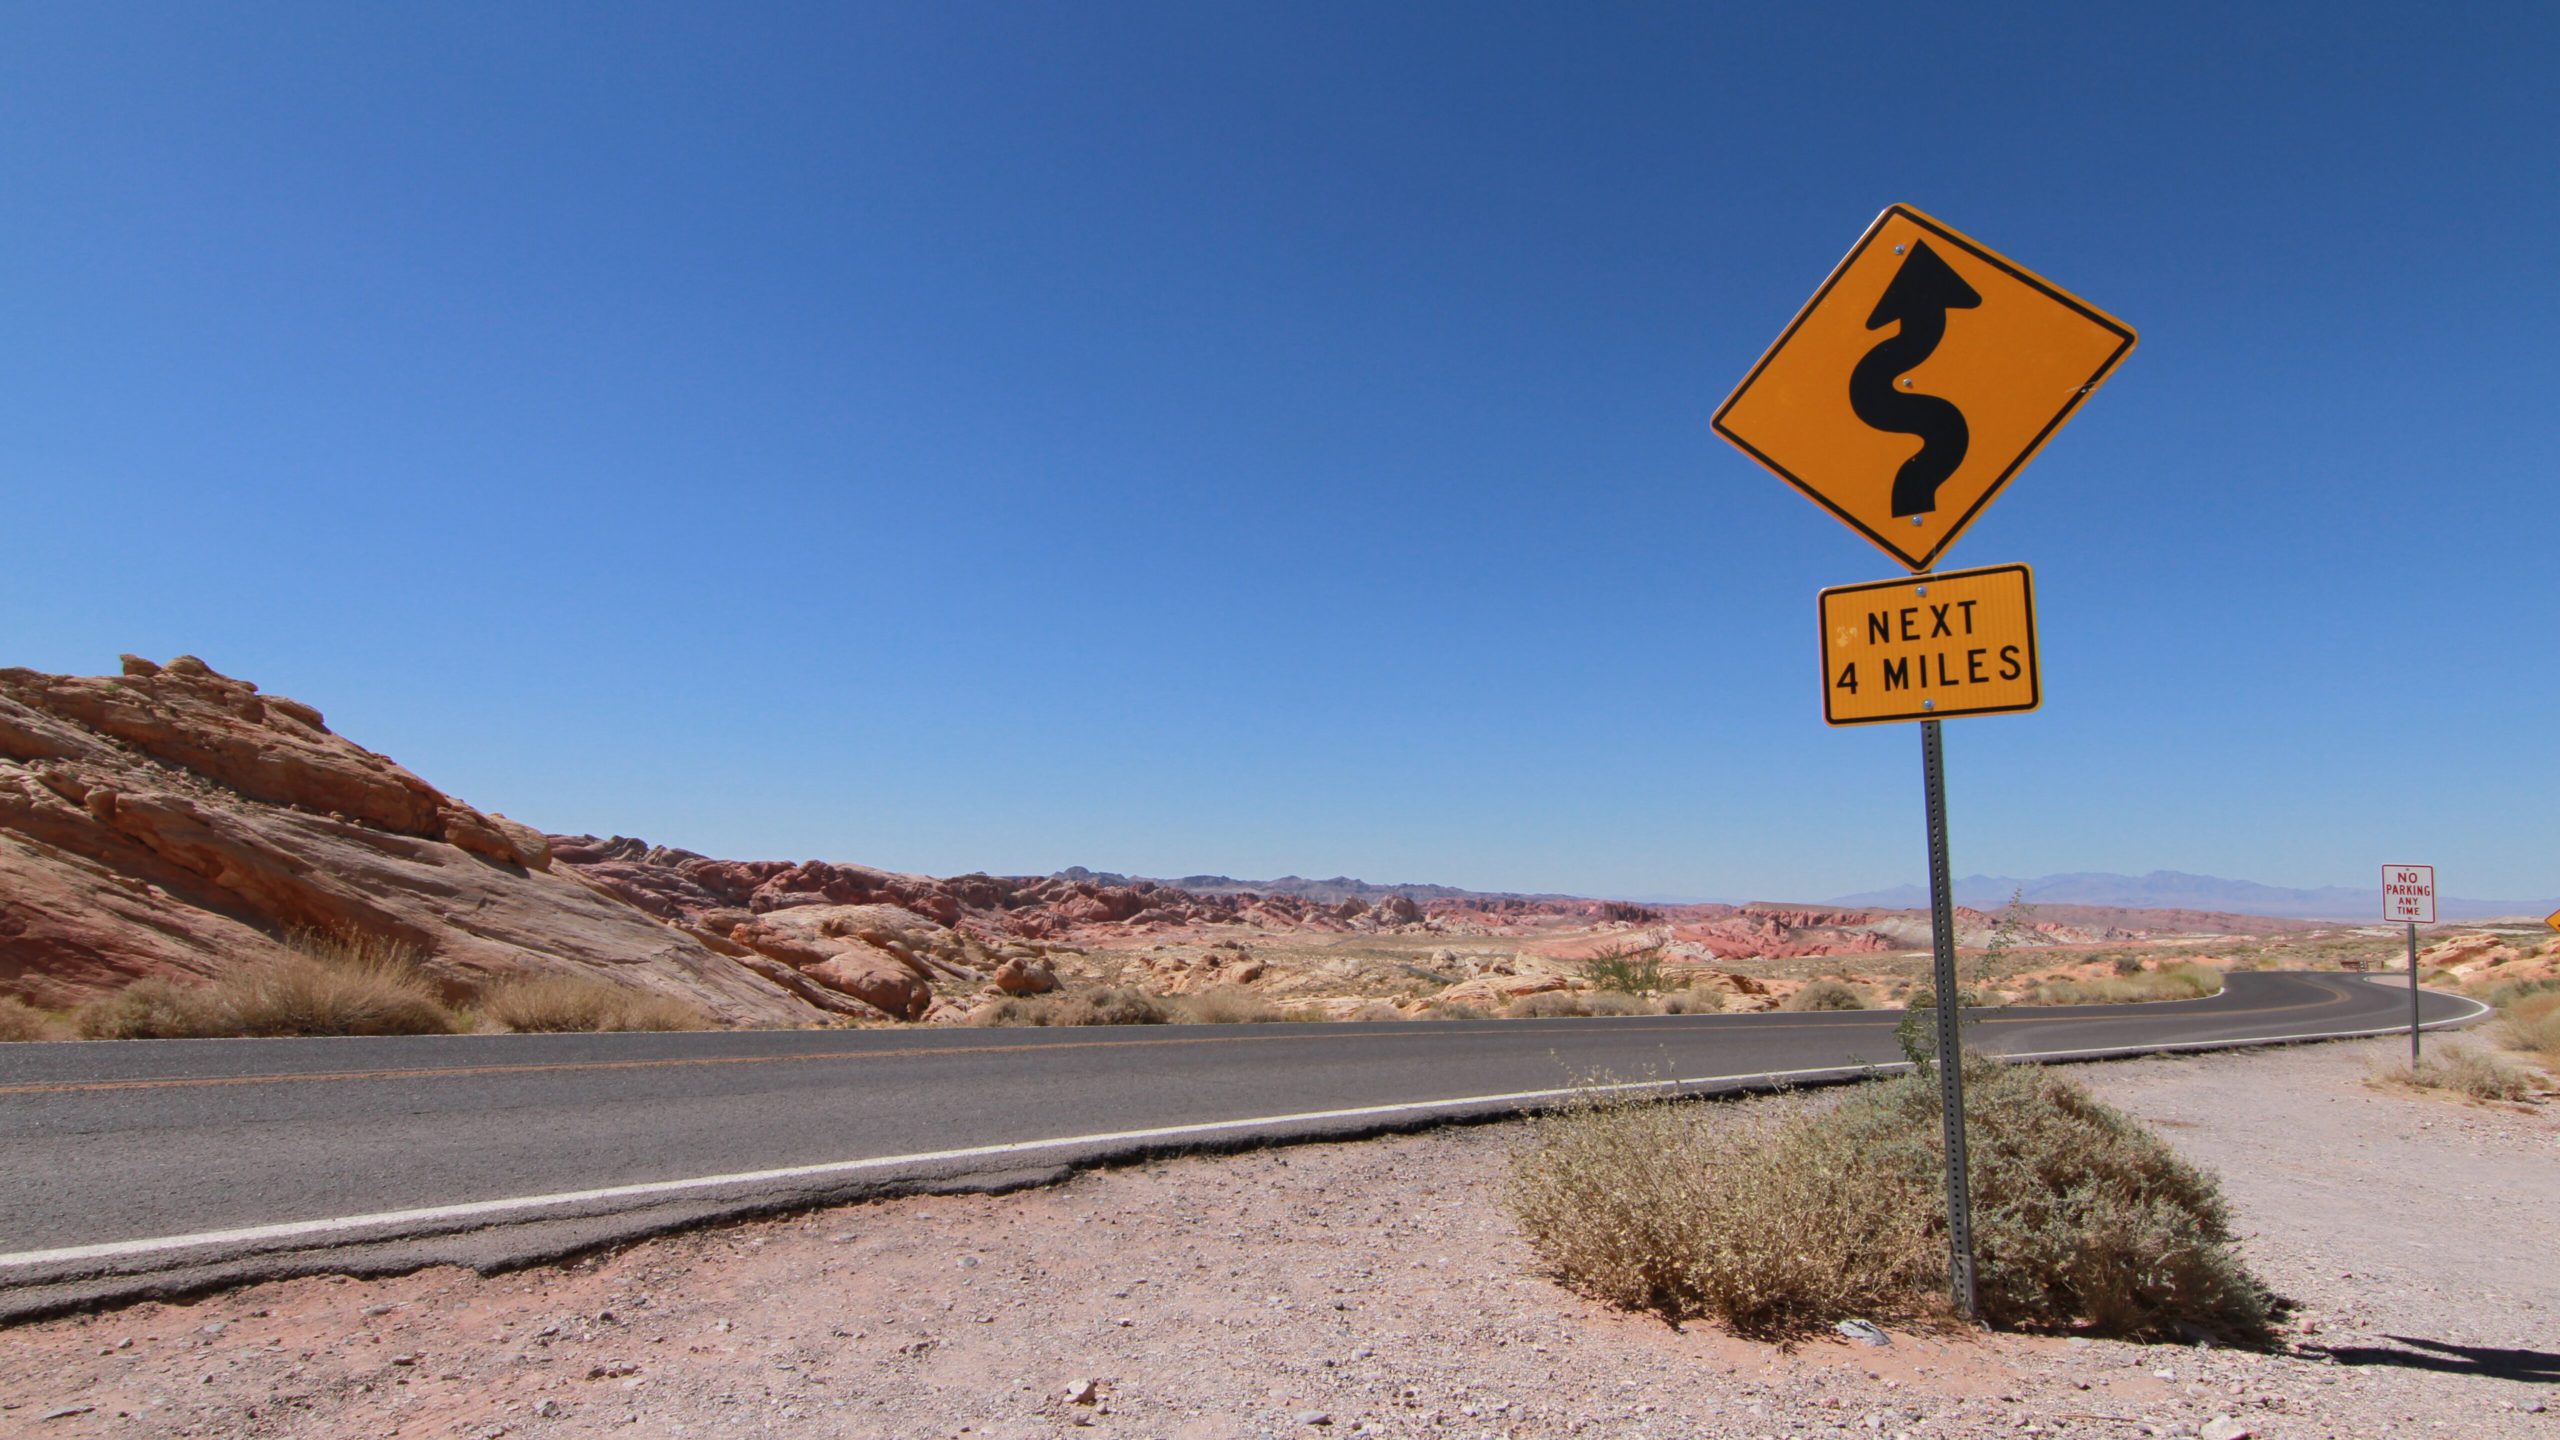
(1224, 1005)
(1118, 1005)
(1777, 1223)
(2175, 982)
(21, 1021)
(335, 985)
(150, 1009)
(1827, 995)
(1377, 1010)
(2509, 994)
(1452, 1010)
(2532, 1023)
(1697, 1000)
(2462, 1070)
(326, 985)
(1569, 1004)
(559, 1004)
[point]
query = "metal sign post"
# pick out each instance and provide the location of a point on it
(2409, 896)
(2413, 995)
(1942, 944)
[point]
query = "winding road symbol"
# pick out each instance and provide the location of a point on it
(1922, 293)
(1922, 375)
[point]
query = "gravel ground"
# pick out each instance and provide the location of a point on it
(1374, 1289)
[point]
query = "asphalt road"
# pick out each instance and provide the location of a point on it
(142, 1166)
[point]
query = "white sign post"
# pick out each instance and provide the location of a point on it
(2409, 896)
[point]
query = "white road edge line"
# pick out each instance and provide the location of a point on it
(477, 1209)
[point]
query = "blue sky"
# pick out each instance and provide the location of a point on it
(1274, 438)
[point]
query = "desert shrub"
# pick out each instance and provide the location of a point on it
(334, 985)
(21, 1021)
(2506, 995)
(1629, 972)
(2462, 1070)
(1377, 1010)
(1566, 1004)
(2126, 965)
(1827, 995)
(1696, 1000)
(1779, 1223)
(1224, 1005)
(563, 1003)
(2176, 982)
(150, 1009)
(1011, 1010)
(1452, 1010)
(1118, 1005)
(2533, 1023)
(324, 985)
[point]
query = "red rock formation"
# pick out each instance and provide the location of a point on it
(174, 821)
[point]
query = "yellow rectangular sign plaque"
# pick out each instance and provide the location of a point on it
(1930, 647)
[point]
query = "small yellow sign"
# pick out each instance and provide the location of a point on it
(2552, 919)
(1922, 375)
(1930, 647)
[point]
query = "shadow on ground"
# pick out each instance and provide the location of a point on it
(2534, 1367)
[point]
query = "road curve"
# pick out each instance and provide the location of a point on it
(142, 1167)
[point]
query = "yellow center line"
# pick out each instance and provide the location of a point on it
(1423, 1030)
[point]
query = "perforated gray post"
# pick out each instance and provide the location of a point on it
(1942, 941)
(2413, 992)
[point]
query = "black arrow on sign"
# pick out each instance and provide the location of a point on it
(1922, 293)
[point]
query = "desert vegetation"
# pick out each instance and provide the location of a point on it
(1827, 994)
(562, 1003)
(323, 985)
(2463, 1070)
(1778, 1218)
(1116, 1005)
(21, 1021)
(2188, 981)
(361, 985)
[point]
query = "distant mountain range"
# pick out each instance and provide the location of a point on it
(2171, 890)
(1328, 892)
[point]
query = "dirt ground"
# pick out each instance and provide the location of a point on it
(1375, 1289)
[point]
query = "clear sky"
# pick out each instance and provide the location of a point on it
(1267, 438)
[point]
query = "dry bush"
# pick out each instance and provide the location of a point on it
(2462, 1070)
(2533, 1023)
(1631, 972)
(325, 985)
(1697, 1000)
(2509, 994)
(1452, 1010)
(21, 1021)
(557, 1004)
(1564, 1004)
(1377, 1010)
(151, 1009)
(1778, 1224)
(2176, 982)
(1827, 995)
(1118, 1005)
(1224, 1005)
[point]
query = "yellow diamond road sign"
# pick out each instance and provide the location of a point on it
(1917, 380)
(1930, 647)
(2552, 919)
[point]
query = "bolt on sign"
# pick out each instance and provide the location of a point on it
(1922, 375)
(2409, 894)
(1962, 642)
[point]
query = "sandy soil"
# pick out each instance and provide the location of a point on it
(1373, 1289)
